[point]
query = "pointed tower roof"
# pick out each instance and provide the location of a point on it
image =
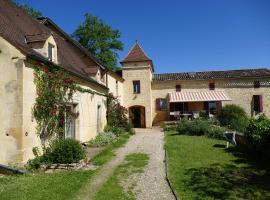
(137, 54)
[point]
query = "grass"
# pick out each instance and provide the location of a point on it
(61, 185)
(108, 152)
(201, 168)
(133, 163)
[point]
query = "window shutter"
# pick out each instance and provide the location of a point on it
(206, 106)
(260, 103)
(157, 104)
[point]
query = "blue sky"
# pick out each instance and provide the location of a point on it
(179, 35)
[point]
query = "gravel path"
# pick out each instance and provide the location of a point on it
(151, 184)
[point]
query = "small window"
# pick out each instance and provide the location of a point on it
(257, 103)
(116, 88)
(70, 126)
(136, 87)
(50, 51)
(178, 88)
(161, 104)
(257, 84)
(211, 86)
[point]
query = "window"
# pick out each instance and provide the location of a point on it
(161, 104)
(136, 87)
(257, 84)
(211, 86)
(257, 103)
(50, 51)
(178, 88)
(70, 122)
(212, 107)
(116, 88)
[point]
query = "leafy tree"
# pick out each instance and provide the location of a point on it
(100, 39)
(31, 11)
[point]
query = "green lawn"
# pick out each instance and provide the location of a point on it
(201, 168)
(133, 163)
(62, 185)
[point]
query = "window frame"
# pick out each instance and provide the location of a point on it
(51, 51)
(159, 106)
(136, 86)
(257, 103)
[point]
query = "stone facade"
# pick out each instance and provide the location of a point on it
(241, 92)
(138, 67)
(139, 71)
(17, 97)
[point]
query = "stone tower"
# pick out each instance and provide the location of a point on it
(137, 72)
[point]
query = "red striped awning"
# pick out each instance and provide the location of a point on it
(190, 96)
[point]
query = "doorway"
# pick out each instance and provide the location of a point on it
(137, 116)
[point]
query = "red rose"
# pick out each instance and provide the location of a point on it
(46, 69)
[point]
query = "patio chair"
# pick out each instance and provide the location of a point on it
(230, 137)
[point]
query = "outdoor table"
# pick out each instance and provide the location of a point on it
(186, 115)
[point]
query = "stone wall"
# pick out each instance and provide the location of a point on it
(115, 85)
(17, 97)
(241, 92)
(11, 67)
(138, 71)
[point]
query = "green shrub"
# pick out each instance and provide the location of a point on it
(116, 130)
(116, 114)
(183, 127)
(204, 114)
(35, 163)
(233, 117)
(216, 132)
(65, 151)
(195, 127)
(169, 128)
(199, 127)
(258, 133)
(102, 139)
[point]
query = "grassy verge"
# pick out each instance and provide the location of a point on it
(61, 185)
(201, 168)
(134, 163)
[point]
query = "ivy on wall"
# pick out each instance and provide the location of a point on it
(55, 90)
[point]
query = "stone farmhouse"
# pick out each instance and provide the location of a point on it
(24, 41)
(150, 98)
(154, 98)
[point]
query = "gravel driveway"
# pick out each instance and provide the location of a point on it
(151, 184)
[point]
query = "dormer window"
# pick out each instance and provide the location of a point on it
(50, 51)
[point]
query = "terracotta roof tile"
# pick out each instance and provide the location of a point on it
(244, 73)
(20, 29)
(136, 54)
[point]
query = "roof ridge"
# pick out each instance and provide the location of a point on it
(246, 69)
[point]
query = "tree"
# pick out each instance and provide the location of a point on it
(100, 39)
(31, 11)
